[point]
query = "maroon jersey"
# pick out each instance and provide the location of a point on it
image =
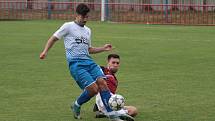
(111, 80)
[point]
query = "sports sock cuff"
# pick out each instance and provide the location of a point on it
(76, 103)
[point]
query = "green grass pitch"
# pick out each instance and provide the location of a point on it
(167, 72)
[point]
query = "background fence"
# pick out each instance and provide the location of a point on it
(195, 12)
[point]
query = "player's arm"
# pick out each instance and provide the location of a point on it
(61, 32)
(106, 47)
(48, 45)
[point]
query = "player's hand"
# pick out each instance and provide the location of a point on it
(43, 55)
(107, 47)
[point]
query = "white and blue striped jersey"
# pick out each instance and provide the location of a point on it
(77, 40)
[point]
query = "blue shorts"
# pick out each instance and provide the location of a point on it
(85, 72)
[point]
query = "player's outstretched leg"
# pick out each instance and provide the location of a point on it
(126, 117)
(114, 118)
(100, 114)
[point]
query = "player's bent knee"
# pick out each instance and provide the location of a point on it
(135, 112)
(132, 111)
(93, 89)
(102, 85)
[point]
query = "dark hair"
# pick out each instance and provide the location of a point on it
(82, 9)
(113, 56)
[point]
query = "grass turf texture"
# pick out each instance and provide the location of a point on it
(167, 72)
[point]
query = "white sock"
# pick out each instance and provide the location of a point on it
(76, 103)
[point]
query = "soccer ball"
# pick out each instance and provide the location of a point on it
(116, 102)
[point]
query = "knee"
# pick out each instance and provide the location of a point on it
(132, 111)
(93, 90)
(135, 112)
(102, 85)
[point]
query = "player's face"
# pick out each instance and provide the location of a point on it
(82, 20)
(114, 64)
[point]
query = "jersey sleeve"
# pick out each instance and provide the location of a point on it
(62, 31)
